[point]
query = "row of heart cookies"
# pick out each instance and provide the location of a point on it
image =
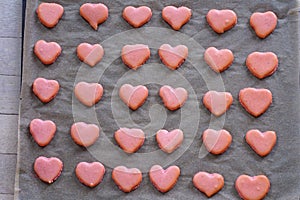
(255, 101)
(260, 64)
(132, 139)
(129, 139)
(129, 179)
(220, 21)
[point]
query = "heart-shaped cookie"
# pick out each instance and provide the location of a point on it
(127, 179)
(49, 14)
(252, 188)
(164, 180)
(133, 97)
(255, 101)
(262, 64)
(137, 17)
(173, 98)
(169, 141)
(173, 57)
(176, 17)
(261, 143)
(94, 13)
(88, 93)
(263, 23)
(42, 131)
(208, 183)
(130, 140)
(84, 134)
(48, 169)
(218, 60)
(45, 89)
(90, 174)
(90, 54)
(47, 52)
(221, 20)
(216, 142)
(217, 102)
(134, 56)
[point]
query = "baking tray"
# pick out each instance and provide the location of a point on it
(281, 165)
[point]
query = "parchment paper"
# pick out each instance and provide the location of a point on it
(281, 166)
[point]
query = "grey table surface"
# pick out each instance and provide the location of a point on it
(10, 82)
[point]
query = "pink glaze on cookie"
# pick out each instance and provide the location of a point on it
(90, 174)
(173, 57)
(218, 60)
(173, 98)
(137, 16)
(216, 142)
(164, 180)
(90, 54)
(262, 64)
(252, 188)
(255, 101)
(42, 131)
(88, 93)
(169, 141)
(263, 23)
(221, 20)
(84, 134)
(176, 17)
(209, 184)
(127, 179)
(45, 89)
(133, 97)
(217, 102)
(130, 140)
(134, 56)
(47, 52)
(261, 143)
(48, 169)
(94, 13)
(49, 14)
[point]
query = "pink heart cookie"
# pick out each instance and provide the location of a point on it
(261, 143)
(252, 188)
(134, 56)
(173, 57)
(130, 140)
(221, 20)
(90, 54)
(263, 23)
(173, 98)
(44, 89)
(49, 14)
(216, 142)
(90, 174)
(94, 13)
(218, 60)
(255, 101)
(42, 131)
(48, 169)
(164, 180)
(208, 183)
(217, 102)
(84, 134)
(137, 17)
(88, 93)
(47, 52)
(169, 141)
(133, 97)
(127, 179)
(176, 17)
(262, 64)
